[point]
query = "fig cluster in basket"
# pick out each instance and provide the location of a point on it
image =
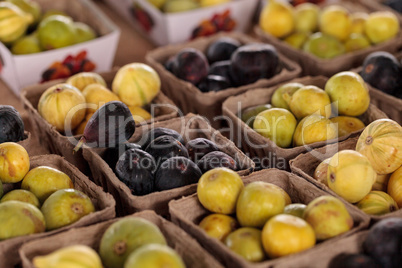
(371, 175)
(37, 199)
(226, 63)
(27, 30)
(164, 161)
(304, 114)
(258, 221)
(129, 242)
(327, 31)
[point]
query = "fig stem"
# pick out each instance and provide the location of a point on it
(79, 145)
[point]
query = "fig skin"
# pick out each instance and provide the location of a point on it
(328, 216)
(165, 147)
(135, 169)
(176, 172)
(216, 159)
(221, 49)
(154, 255)
(112, 124)
(219, 225)
(154, 133)
(65, 207)
(258, 202)
(11, 124)
(42, 181)
(14, 162)
(199, 147)
(124, 237)
(21, 195)
(246, 242)
(19, 218)
(219, 189)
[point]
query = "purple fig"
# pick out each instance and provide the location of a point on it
(112, 124)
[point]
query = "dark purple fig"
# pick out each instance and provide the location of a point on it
(112, 124)
(176, 172)
(165, 147)
(154, 133)
(199, 147)
(221, 68)
(214, 83)
(384, 242)
(190, 65)
(221, 49)
(216, 159)
(111, 155)
(11, 124)
(134, 168)
(394, 4)
(252, 62)
(353, 261)
(382, 71)
(169, 64)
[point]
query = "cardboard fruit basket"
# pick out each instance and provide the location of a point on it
(312, 65)
(188, 212)
(190, 251)
(60, 144)
(19, 71)
(387, 103)
(170, 28)
(190, 127)
(189, 98)
(305, 164)
(265, 150)
(103, 202)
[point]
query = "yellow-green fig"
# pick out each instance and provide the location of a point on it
(309, 100)
(42, 181)
(19, 218)
(154, 255)
(26, 45)
(306, 17)
(297, 39)
(349, 93)
(125, 236)
(295, 209)
(77, 256)
(350, 175)
(246, 242)
(258, 202)
(320, 172)
(84, 79)
(277, 18)
(276, 124)
(328, 216)
(21, 195)
(14, 162)
(65, 207)
(356, 42)
(218, 190)
(334, 20)
(286, 234)
(289, 89)
(381, 26)
(347, 124)
(218, 225)
(136, 84)
(377, 203)
(314, 128)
